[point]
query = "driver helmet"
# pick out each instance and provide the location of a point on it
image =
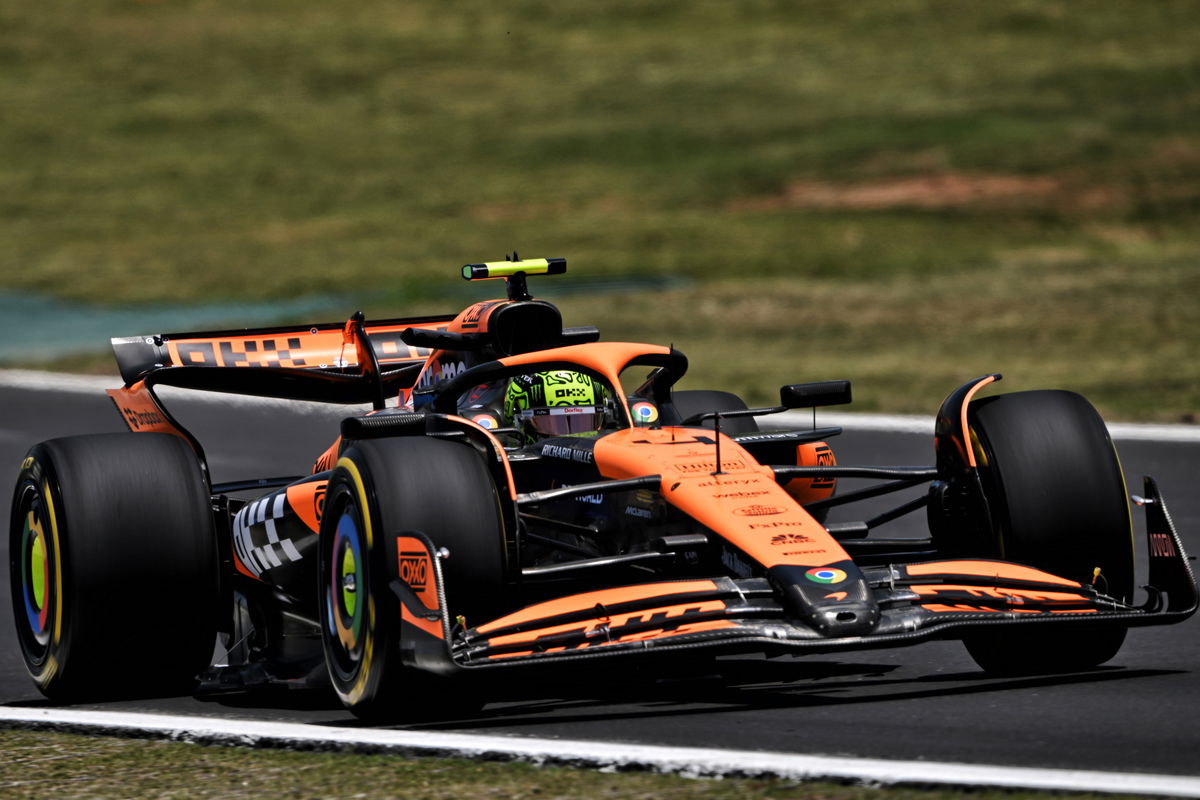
(555, 403)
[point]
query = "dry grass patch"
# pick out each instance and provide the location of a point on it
(942, 191)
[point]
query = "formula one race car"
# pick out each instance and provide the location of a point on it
(524, 494)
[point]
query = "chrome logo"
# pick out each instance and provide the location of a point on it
(825, 575)
(485, 421)
(644, 413)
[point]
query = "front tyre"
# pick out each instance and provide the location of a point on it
(1058, 502)
(113, 566)
(379, 488)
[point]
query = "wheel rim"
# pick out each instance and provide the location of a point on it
(345, 604)
(37, 581)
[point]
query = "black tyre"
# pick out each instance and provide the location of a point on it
(1058, 502)
(702, 401)
(113, 565)
(382, 487)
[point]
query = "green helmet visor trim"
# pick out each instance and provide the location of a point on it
(562, 420)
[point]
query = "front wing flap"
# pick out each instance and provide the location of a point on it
(919, 602)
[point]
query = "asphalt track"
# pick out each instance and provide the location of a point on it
(1139, 714)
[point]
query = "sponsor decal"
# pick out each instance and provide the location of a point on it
(568, 453)
(767, 437)
(644, 413)
(562, 395)
(485, 421)
(319, 501)
(475, 313)
(726, 481)
(734, 563)
(803, 552)
(825, 575)
(441, 371)
(1162, 545)
(137, 419)
(691, 466)
(781, 523)
(390, 348)
(414, 570)
(825, 459)
(640, 513)
(594, 499)
(758, 511)
(739, 495)
(267, 351)
(790, 538)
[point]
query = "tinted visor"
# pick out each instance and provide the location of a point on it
(562, 420)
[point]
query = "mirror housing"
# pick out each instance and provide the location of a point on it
(811, 395)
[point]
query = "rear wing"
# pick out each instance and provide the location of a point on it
(313, 362)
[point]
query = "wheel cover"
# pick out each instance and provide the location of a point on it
(344, 608)
(37, 582)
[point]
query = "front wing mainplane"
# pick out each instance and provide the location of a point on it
(918, 602)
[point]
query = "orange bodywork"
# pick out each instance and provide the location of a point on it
(141, 411)
(809, 490)
(314, 348)
(604, 629)
(415, 566)
(987, 569)
(743, 502)
(308, 501)
(1012, 596)
(589, 600)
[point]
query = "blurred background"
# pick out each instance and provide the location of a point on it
(906, 193)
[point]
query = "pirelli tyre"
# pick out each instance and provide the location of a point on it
(113, 566)
(690, 402)
(1058, 502)
(381, 489)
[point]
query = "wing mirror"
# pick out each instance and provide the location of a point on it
(811, 395)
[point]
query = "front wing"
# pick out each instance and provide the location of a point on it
(919, 602)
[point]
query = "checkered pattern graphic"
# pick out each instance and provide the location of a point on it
(273, 552)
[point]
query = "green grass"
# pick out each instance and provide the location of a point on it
(908, 193)
(63, 766)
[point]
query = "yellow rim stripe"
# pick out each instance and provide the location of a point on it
(368, 629)
(51, 666)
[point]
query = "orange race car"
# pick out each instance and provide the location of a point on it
(523, 494)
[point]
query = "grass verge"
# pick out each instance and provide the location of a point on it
(905, 193)
(67, 766)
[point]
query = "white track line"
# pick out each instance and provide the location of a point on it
(899, 423)
(885, 423)
(687, 761)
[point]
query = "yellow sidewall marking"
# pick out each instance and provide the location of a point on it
(51, 666)
(368, 630)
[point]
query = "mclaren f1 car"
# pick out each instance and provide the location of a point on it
(520, 493)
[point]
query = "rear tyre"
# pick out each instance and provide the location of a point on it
(113, 566)
(1058, 502)
(701, 401)
(381, 487)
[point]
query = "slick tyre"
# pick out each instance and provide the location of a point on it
(1058, 502)
(113, 566)
(701, 401)
(379, 489)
